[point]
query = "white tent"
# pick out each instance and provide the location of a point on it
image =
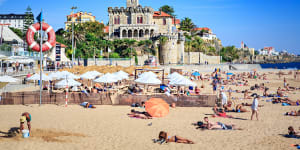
(19, 59)
(8, 79)
(90, 75)
(69, 82)
(147, 75)
(37, 77)
(121, 74)
(182, 82)
(66, 75)
(175, 76)
(148, 81)
(107, 78)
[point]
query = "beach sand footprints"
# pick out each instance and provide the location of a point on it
(42, 134)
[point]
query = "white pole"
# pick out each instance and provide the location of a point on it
(41, 61)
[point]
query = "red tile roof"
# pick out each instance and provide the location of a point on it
(106, 29)
(200, 29)
(177, 21)
(161, 14)
(74, 15)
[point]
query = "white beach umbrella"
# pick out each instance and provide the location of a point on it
(8, 79)
(54, 75)
(182, 82)
(66, 75)
(69, 82)
(37, 77)
(121, 74)
(150, 81)
(107, 78)
(147, 75)
(90, 75)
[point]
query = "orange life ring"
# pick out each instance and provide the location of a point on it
(36, 46)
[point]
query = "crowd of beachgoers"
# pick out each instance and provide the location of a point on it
(237, 92)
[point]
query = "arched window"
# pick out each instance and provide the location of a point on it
(140, 20)
(117, 20)
(164, 21)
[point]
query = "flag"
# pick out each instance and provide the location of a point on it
(40, 17)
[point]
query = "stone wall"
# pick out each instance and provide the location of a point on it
(200, 58)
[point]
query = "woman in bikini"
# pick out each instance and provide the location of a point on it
(176, 139)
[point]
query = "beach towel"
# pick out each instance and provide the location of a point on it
(285, 104)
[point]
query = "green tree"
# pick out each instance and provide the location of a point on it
(95, 28)
(167, 9)
(187, 24)
(18, 32)
(229, 53)
(114, 55)
(79, 35)
(130, 43)
(29, 20)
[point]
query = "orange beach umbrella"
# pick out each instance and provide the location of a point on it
(157, 107)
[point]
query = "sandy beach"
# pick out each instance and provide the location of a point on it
(108, 127)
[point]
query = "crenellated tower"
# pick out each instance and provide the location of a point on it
(132, 3)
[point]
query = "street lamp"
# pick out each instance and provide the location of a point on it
(73, 52)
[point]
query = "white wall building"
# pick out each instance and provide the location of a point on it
(15, 20)
(268, 51)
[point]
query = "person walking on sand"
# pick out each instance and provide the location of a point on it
(254, 107)
(25, 117)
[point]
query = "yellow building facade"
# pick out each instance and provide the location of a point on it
(79, 17)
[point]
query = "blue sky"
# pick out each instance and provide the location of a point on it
(258, 23)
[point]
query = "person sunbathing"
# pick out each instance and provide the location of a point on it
(218, 125)
(293, 113)
(246, 96)
(239, 108)
(137, 114)
(292, 132)
(165, 137)
(220, 113)
(247, 104)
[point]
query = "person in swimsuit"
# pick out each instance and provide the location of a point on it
(137, 114)
(164, 136)
(25, 117)
(218, 125)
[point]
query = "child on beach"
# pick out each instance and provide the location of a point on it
(164, 136)
(25, 117)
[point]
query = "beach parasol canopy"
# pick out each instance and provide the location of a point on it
(90, 75)
(69, 82)
(157, 107)
(196, 74)
(182, 82)
(121, 74)
(66, 75)
(20, 59)
(8, 79)
(149, 80)
(107, 78)
(174, 74)
(37, 77)
(147, 75)
(229, 73)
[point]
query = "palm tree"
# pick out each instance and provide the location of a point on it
(79, 34)
(187, 24)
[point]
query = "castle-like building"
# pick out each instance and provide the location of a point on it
(143, 23)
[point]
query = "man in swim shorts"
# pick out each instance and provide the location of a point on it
(25, 117)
